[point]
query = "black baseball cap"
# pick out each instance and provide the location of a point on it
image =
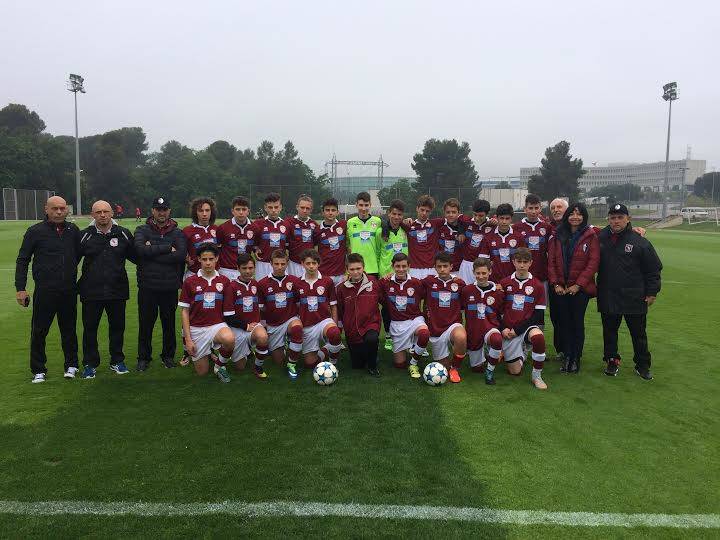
(618, 208)
(160, 202)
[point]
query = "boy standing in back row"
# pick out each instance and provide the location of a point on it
(365, 234)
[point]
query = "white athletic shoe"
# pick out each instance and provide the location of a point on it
(70, 373)
(38, 378)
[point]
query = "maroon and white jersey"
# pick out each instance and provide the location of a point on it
(483, 307)
(196, 235)
(499, 248)
(300, 236)
(448, 242)
(244, 296)
(207, 299)
(536, 237)
(522, 297)
(278, 298)
(443, 306)
(315, 298)
(331, 243)
(423, 242)
(269, 235)
(234, 239)
(474, 234)
(402, 298)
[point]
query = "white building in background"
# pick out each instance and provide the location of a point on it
(649, 176)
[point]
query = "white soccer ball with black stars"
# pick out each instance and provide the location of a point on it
(435, 374)
(325, 373)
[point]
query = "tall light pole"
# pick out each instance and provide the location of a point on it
(75, 85)
(669, 95)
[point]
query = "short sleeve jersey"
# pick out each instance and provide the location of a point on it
(278, 298)
(234, 239)
(196, 235)
(269, 235)
(422, 243)
(245, 300)
(499, 248)
(536, 237)
(482, 311)
(474, 234)
(402, 298)
(448, 242)
(522, 297)
(332, 247)
(443, 306)
(300, 236)
(315, 299)
(207, 299)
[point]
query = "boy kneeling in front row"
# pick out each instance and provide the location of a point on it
(205, 301)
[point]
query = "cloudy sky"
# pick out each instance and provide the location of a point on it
(365, 78)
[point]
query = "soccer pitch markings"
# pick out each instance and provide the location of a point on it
(368, 511)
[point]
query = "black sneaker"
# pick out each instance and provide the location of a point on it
(168, 362)
(573, 366)
(564, 365)
(560, 357)
(375, 372)
(142, 365)
(613, 366)
(644, 373)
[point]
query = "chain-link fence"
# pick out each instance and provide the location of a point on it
(24, 203)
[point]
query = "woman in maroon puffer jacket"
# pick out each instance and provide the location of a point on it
(573, 259)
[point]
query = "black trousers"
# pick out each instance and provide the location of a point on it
(555, 318)
(47, 304)
(365, 354)
(150, 303)
(92, 311)
(570, 312)
(637, 326)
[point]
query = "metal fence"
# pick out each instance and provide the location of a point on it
(24, 203)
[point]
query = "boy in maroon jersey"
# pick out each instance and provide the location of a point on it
(301, 229)
(451, 231)
(475, 230)
(317, 307)
(245, 321)
(205, 302)
(500, 244)
(422, 239)
(270, 234)
(331, 241)
(443, 312)
(522, 316)
(536, 233)
(401, 294)
(235, 237)
(200, 231)
(482, 302)
(358, 298)
(277, 295)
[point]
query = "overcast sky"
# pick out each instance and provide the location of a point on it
(365, 78)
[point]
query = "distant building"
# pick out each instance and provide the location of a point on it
(492, 182)
(649, 176)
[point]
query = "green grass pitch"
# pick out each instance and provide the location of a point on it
(591, 443)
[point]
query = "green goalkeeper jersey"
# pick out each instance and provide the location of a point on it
(397, 242)
(364, 238)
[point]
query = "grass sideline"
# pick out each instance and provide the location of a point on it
(589, 444)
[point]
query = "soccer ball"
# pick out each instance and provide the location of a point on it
(325, 373)
(435, 374)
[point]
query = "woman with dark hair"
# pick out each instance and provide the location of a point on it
(573, 260)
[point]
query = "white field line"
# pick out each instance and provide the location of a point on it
(369, 511)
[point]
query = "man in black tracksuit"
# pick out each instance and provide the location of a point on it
(104, 286)
(53, 246)
(160, 248)
(628, 282)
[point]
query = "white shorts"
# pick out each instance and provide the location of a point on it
(229, 273)
(295, 269)
(466, 272)
(187, 274)
(441, 344)
(516, 347)
(204, 338)
(262, 269)
(243, 343)
(403, 333)
(313, 336)
(478, 357)
(421, 273)
(276, 334)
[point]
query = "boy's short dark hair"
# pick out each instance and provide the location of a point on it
(443, 256)
(207, 246)
(240, 201)
(332, 201)
(243, 259)
(400, 257)
(522, 254)
(504, 209)
(278, 254)
(272, 197)
(310, 254)
(426, 201)
(481, 205)
(363, 196)
(483, 262)
(452, 203)
(355, 258)
(531, 198)
(397, 204)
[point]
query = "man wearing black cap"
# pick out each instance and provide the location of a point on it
(628, 282)
(161, 248)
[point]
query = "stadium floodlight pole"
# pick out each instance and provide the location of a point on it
(669, 95)
(75, 85)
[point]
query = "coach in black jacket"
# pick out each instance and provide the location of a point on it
(104, 286)
(628, 282)
(53, 246)
(160, 248)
